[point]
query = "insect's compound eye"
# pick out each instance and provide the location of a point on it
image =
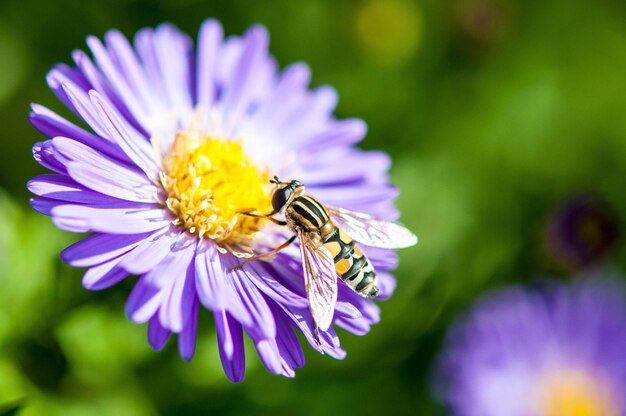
(280, 198)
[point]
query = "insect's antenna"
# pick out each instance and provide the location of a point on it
(275, 180)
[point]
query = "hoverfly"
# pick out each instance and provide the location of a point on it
(327, 246)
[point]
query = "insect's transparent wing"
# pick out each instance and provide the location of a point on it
(320, 280)
(372, 231)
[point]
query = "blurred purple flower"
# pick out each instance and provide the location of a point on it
(482, 24)
(580, 232)
(182, 140)
(542, 353)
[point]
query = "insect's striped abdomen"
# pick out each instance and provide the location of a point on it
(308, 212)
(350, 263)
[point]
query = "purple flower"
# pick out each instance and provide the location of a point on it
(581, 232)
(560, 351)
(181, 141)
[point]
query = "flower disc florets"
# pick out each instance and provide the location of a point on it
(575, 392)
(209, 182)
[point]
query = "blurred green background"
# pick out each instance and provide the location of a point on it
(495, 111)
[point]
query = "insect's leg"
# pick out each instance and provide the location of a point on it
(267, 253)
(248, 212)
(267, 217)
(317, 337)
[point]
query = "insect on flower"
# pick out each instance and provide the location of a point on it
(327, 250)
(182, 138)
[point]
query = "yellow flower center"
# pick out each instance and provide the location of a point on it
(208, 183)
(575, 393)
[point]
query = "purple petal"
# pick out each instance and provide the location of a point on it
(104, 275)
(229, 54)
(157, 335)
(56, 80)
(262, 320)
(143, 301)
(81, 102)
(288, 269)
(163, 129)
(99, 83)
(288, 343)
(341, 133)
(382, 259)
(347, 310)
(72, 75)
(215, 286)
(386, 286)
(324, 175)
(242, 88)
(114, 74)
(53, 125)
(114, 184)
(181, 248)
(64, 188)
(230, 344)
(290, 89)
(44, 154)
(209, 40)
(270, 356)
(355, 198)
(99, 248)
(100, 173)
(369, 310)
(126, 61)
(145, 46)
(187, 337)
(358, 327)
(320, 106)
(44, 205)
(128, 65)
(71, 224)
(133, 143)
(173, 51)
(302, 319)
(338, 353)
(259, 274)
(180, 293)
(210, 282)
(151, 251)
(133, 219)
(293, 278)
(126, 221)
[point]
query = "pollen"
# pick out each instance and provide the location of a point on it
(209, 182)
(575, 393)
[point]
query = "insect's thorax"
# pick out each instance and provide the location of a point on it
(308, 213)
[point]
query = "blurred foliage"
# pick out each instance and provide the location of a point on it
(494, 111)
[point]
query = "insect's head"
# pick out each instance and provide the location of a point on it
(285, 192)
